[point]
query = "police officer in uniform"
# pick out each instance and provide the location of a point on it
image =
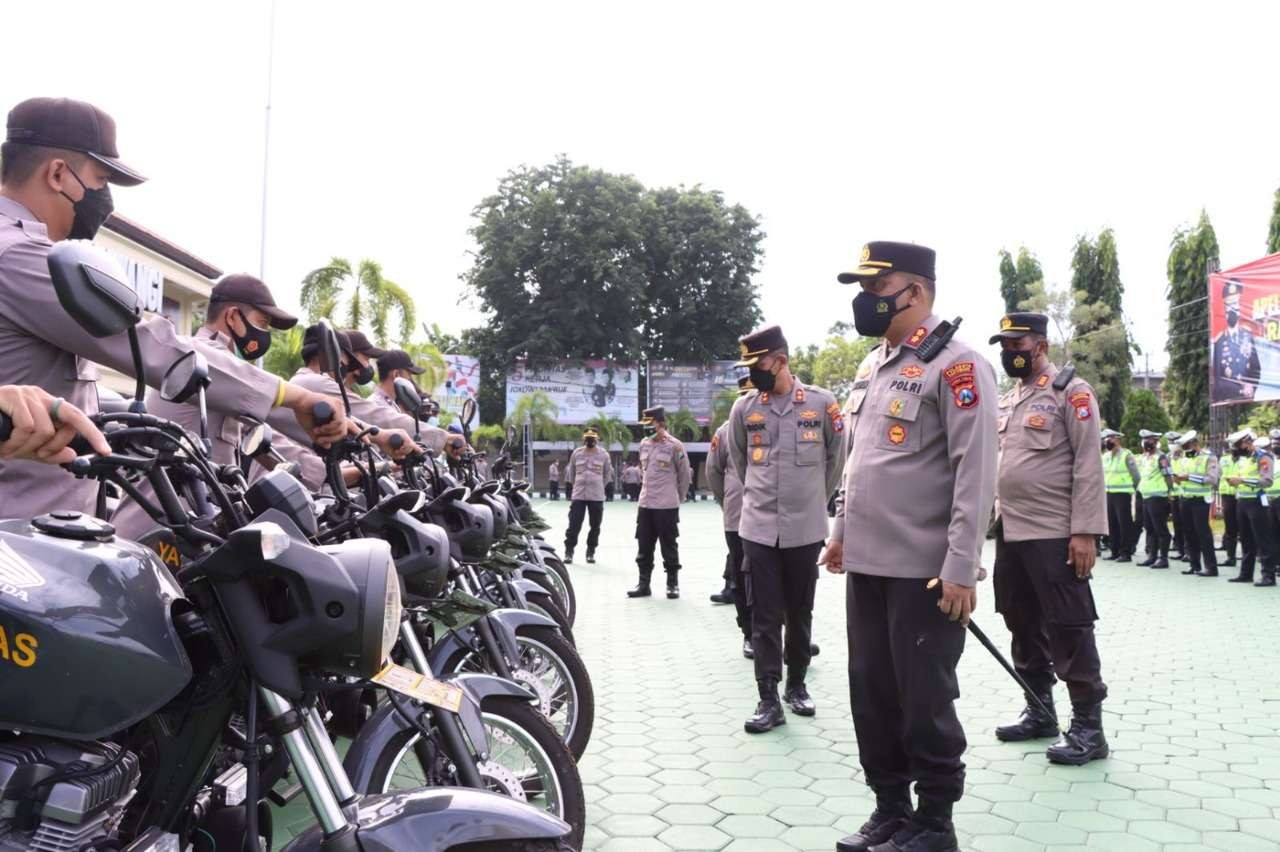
(1052, 508)
(919, 485)
(726, 487)
(1254, 474)
(589, 468)
(1121, 472)
(1236, 368)
(398, 364)
(665, 471)
(1179, 540)
(1197, 479)
(1155, 480)
(1227, 496)
(553, 479)
(786, 443)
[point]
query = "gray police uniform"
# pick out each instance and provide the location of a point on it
(588, 469)
(788, 450)
(665, 480)
(1050, 487)
(919, 485)
(433, 437)
(726, 487)
(40, 344)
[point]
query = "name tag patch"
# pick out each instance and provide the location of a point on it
(907, 386)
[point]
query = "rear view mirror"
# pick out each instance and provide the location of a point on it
(189, 374)
(256, 441)
(91, 288)
(407, 395)
(330, 351)
(468, 411)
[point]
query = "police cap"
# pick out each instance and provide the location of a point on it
(1020, 324)
(657, 414)
(247, 290)
(74, 125)
(884, 256)
(759, 343)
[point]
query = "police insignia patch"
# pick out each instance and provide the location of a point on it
(715, 441)
(756, 439)
(1036, 421)
(837, 419)
(961, 371)
(966, 396)
(918, 335)
(1081, 403)
(755, 417)
(1042, 381)
(895, 407)
(799, 394)
(757, 454)
(897, 434)
(809, 414)
(764, 396)
(911, 371)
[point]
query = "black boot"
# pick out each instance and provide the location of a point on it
(929, 830)
(1208, 572)
(1267, 579)
(591, 556)
(1148, 562)
(893, 811)
(642, 589)
(1162, 562)
(1229, 562)
(568, 555)
(1192, 569)
(724, 596)
(1033, 724)
(673, 587)
(797, 697)
(813, 650)
(747, 650)
(1084, 741)
(1124, 557)
(1241, 578)
(768, 713)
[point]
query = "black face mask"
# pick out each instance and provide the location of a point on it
(872, 314)
(591, 442)
(1149, 446)
(1017, 362)
(1109, 444)
(1233, 317)
(255, 341)
(763, 380)
(363, 373)
(91, 210)
(1237, 453)
(1191, 453)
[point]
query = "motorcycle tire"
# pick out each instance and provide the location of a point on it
(568, 662)
(508, 714)
(556, 567)
(562, 595)
(546, 604)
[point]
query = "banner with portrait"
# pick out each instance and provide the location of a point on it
(461, 382)
(1244, 333)
(690, 387)
(581, 390)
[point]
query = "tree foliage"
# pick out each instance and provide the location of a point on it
(538, 408)
(284, 358)
(371, 299)
(1142, 411)
(684, 425)
(574, 262)
(721, 406)
(1187, 378)
(836, 364)
(1017, 276)
(1101, 347)
(1264, 417)
(1273, 233)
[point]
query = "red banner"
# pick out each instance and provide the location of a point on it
(1244, 333)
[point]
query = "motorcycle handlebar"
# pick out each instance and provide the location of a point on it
(6, 427)
(396, 441)
(322, 412)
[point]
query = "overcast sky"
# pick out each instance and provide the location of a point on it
(966, 127)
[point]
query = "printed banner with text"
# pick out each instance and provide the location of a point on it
(461, 382)
(692, 387)
(1244, 333)
(580, 389)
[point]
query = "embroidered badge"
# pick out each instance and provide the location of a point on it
(895, 407)
(1036, 421)
(897, 434)
(809, 413)
(764, 396)
(755, 417)
(918, 335)
(1080, 402)
(810, 436)
(961, 371)
(715, 441)
(911, 371)
(799, 394)
(757, 439)
(757, 454)
(1043, 381)
(864, 371)
(966, 396)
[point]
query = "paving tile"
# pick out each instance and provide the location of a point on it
(695, 837)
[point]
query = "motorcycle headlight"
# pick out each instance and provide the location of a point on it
(369, 564)
(391, 612)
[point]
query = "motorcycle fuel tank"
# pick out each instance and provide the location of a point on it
(87, 642)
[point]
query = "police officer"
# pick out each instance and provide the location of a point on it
(1179, 540)
(1254, 474)
(785, 444)
(55, 167)
(1273, 492)
(665, 470)
(1155, 480)
(1197, 478)
(1121, 472)
(1236, 367)
(919, 484)
(1052, 508)
(588, 470)
(553, 479)
(1227, 497)
(726, 488)
(398, 364)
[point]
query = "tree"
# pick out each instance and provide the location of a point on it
(720, 408)
(683, 425)
(284, 358)
(612, 431)
(1142, 411)
(1273, 234)
(1187, 378)
(372, 298)
(1263, 418)
(801, 360)
(1101, 349)
(1016, 277)
(836, 365)
(574, 262)
(538, 408)
(428, 357)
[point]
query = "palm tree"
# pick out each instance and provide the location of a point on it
(372, 298)
(683, 425)
(539, 408)
(612, 431)
(285, 355)
(429, 358)
(721, 407)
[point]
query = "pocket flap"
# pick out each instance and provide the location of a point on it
(900, 407)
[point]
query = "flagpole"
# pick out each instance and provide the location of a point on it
(266, 144)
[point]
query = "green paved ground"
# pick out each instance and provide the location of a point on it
(1194, 720)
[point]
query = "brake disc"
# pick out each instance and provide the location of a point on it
(541, 690)
(500, 779)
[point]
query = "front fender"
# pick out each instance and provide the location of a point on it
(524, 569)
(439, 819)
(523, 587)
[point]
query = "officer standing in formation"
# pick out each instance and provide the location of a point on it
(1227, 494)
(786, 443)
(1197, 477)
(1052, 501)
(588, 470)
(1176, 457)
(553, 479)
(726, 487)
(665, 470)
(919, 483)
(1254, 474)
(1155, 480)
(1121, 471)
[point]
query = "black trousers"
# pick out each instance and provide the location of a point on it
(736, 580)
(1050, 613)
(1179, 539)
(783, 581)
(1155, 519)
(1119, 522)
(903, 654)
(568, 491)
(1257, 539)
(1231, 525)
(1198, 535)
(555, 490)
(1135, 529)
(654, 526)
(594, 509)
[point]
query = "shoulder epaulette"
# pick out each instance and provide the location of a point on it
(937, 339)
(1064, 378)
